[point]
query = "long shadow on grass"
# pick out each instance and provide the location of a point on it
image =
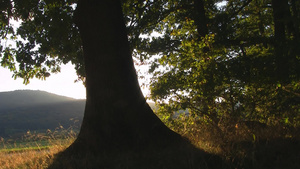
(178, 154)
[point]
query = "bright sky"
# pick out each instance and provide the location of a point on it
(61, 83)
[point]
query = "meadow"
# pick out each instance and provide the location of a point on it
(242, 147)
(34, 150)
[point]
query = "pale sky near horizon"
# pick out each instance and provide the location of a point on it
(61, 83)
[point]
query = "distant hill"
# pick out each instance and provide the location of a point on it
(34, 110)
(21, 98)
(24, 110)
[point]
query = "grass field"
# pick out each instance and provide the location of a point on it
(21, 146)
(25, 146)
(242, 150)
(31, 155)
(34, 150)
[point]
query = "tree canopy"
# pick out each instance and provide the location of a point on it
(223, 60)
(217, 58)
(47, 37)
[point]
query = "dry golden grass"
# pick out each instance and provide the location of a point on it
(33, 157)
(254, 146)
(242, 148)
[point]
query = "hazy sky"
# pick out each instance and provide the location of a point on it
(61, 83)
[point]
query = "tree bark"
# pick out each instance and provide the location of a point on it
(117, 117)
(200, 18)
(119, 129)
(280, 17)
(116, 112)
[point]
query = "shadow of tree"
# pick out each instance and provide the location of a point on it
(176, 154)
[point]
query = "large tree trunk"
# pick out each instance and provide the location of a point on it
(119, 129)
(116, 113)
(200, 18)
(281, 15)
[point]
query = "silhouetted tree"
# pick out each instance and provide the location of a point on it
(118, 124)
